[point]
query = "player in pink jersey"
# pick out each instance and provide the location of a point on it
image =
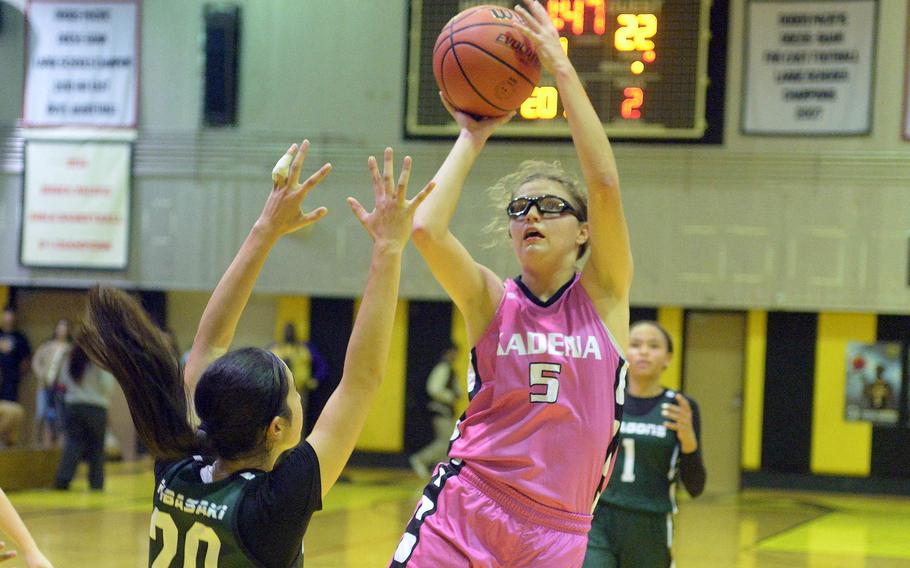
(531, 453)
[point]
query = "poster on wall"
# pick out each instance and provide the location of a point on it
(75, 206)
(81, 63)
(809, 67)
(874, 374)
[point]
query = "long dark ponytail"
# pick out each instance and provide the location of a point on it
(118, 335)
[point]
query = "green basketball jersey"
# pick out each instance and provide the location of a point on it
(194, 524)
(645, 472)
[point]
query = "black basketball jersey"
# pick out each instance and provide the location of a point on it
(195, 524)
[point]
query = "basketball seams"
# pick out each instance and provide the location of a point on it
(468, 79)
(455, 20)
(452, 31)
(442, 66)
(452, 35)
(442, 74)
(481, 24)
(439, 41)
(497, 58)
(467, 14)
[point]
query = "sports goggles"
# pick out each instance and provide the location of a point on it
(546, 205)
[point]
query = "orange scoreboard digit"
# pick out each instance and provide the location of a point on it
(644, 64)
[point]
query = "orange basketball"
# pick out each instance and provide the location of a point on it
(483, 64)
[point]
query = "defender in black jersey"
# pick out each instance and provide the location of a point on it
(633, 521)
(239, 489)
(250, 518)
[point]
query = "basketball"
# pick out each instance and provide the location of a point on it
(483, 64)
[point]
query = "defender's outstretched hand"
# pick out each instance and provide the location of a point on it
(281, 214)
(6, 554)
(34, 560)
(389, 223)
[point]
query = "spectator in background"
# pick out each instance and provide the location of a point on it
(46, 365)
(87, 398)
(14, 354)
(443, 390)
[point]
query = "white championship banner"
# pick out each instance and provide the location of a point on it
(809, 67)
(76, 203)
(82, 64)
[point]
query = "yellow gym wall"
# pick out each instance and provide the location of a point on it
(384, 428)
(672, 320)
(838, 447)
(754, 388)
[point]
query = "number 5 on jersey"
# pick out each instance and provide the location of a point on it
(545, 374)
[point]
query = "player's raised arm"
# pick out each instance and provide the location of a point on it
(472, 287)
(610, 264)
(280, 215)
(389, 225)
(120, 337)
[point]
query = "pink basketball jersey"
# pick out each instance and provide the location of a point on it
(546, 385)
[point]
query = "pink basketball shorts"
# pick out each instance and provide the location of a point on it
(463, 520)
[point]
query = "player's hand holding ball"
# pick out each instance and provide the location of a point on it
(478, 129)
(538, 27)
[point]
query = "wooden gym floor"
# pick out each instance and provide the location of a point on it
(363, 519)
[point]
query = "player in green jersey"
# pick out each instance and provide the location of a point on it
(633, 524)
(235, 484)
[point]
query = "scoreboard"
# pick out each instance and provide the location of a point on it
(644, 64)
